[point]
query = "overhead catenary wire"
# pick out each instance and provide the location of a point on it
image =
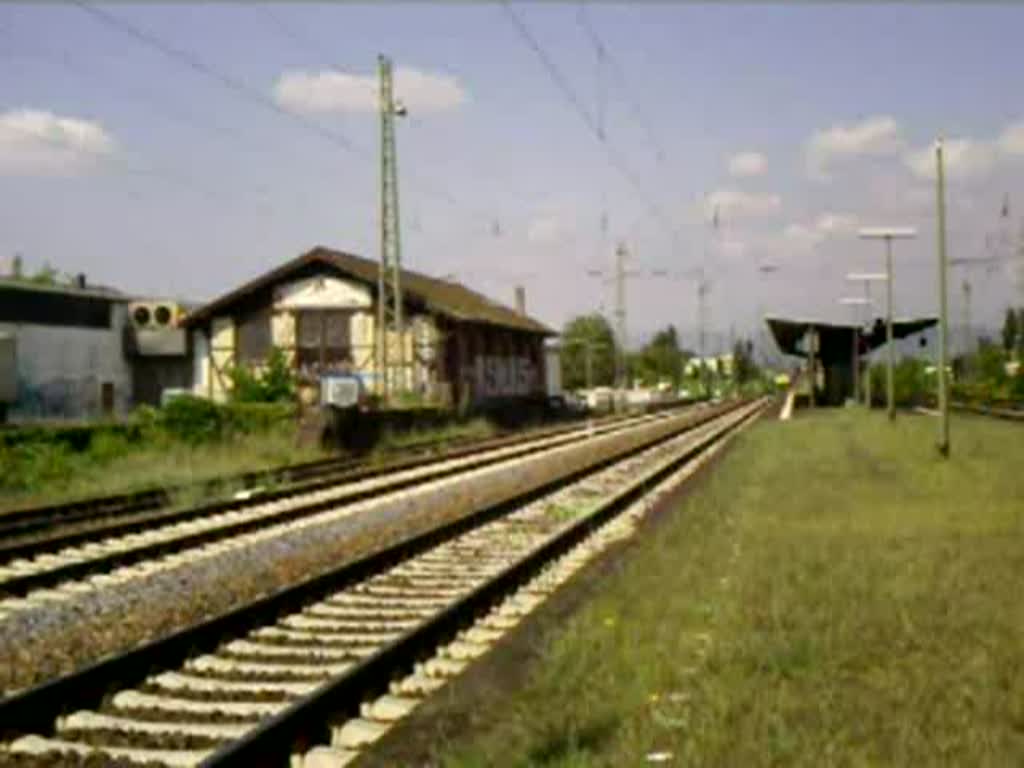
(565, 88)
(304, 42)
(616, 69)
(196, 64)
(76, 67)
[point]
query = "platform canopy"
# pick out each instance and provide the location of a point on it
(836, 339)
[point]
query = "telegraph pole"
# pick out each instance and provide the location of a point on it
(966, 319)
(389, 283)
(943, 384)
(620, 313)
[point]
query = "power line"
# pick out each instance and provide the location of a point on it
(617, 70)
(304, 42)
(76, 67)
(570, 95)
(196, 64)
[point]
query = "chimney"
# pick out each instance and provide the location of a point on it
(80, 280)
(16, 265)
(520, 300)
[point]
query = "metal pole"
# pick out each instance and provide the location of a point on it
(812, 344)
(890, 384)
(589, 352)
(620, 313)
(867, 357)
(943, 394)
(382, 274)
(856, 359)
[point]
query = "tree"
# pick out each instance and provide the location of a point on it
(582, 336)
(744, 368)
(661, 360)
(45, 275)
(274, 384)
(1020, 333)
(1010, 331)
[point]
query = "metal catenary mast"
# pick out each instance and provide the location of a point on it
(391, 369)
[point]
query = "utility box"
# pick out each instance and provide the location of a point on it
(8, 369)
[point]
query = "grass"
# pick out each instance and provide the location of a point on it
(475, 429)
(48, 473)
(834, 594)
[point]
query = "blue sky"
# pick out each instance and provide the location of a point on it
(121, 162)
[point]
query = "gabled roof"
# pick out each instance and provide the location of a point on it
(440, 296)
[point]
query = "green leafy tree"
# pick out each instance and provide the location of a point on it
(1020, 333)
(45, 275)
(661, 360)
(1010, 331)
(744, 367)
(275, 383)
(583, 335)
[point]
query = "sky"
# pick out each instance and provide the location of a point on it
(178, 150)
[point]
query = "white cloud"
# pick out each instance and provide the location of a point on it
(836, 223)
(737, 204)
(548, 228)
(333, 91)
(1011, 140)
(826, 225)
(877, 136)
(744, 164)
(39, 142)
(964, 159)
(733, 248)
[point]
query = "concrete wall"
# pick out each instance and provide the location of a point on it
(61, 370)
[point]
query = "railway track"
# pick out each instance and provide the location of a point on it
(1007, 414)
(335, 660)
(61, 566)
(34, 522)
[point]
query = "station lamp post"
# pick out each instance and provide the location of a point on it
(867, 278)
(888, 234)
(856, 301)
(940, 204)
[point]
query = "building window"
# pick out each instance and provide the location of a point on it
(323, 341)
(254, 337)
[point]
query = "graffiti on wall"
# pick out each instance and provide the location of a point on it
(58, 398)
(494, 376)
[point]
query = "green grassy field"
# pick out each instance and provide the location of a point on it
(834, 594)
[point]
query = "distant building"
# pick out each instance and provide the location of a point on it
(84, 351)
(320, 309)
(68, 349)
(717, 365)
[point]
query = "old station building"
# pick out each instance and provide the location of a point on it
(320, 309)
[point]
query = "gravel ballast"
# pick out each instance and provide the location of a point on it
(58, 637)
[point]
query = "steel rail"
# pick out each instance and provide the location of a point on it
(18, 585)
(36, 709)
(306, 722)
(28, 519)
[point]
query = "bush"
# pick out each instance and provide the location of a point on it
(250, 418)
(911, 385)
(274, 384)
(192, 419)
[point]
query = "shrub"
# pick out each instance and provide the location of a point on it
(192, 419)
(249, 418)
(275, 383)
